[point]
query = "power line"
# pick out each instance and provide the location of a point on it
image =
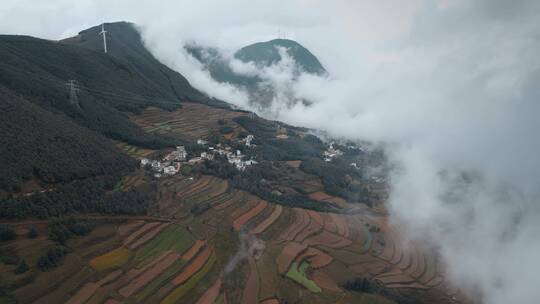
(74, 88)
(42, 77)
(127, 94)
(78, 87)
(151, 85)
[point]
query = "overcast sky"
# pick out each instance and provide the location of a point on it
(451, 86)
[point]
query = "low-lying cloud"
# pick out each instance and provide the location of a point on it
(456, 97)
(452, 87)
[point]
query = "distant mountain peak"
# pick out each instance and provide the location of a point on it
(267, 53)
(262, 54)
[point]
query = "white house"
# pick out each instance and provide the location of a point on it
(251, 162)
(205, 155)
(249, 138)
(156, 165)
(169, 170)
(195, 160)
(179, 154)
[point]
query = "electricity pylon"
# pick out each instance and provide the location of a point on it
(73, 90)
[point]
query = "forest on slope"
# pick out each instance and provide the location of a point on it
(62, 138)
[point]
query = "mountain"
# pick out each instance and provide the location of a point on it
(262, 55)
(124, 43)
(63, 102)
(267, 53)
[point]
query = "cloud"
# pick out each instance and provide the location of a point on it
(452, 87)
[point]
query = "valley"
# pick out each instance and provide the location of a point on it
(210, 238)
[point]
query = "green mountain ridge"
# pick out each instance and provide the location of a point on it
(267, 53)
(49, 134)
(262, 55)
(125, 43)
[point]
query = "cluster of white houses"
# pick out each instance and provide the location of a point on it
(169, 165)
(330, 153)
(235, 158)
(172, 162)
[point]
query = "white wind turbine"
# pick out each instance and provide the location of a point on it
(104, 33)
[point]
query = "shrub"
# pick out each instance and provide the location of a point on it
(226, 130)
(60, 230)
(51, 259)
(6, 233)
(32, 233)
(22, 267)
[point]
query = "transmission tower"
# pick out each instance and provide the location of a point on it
(73, 90)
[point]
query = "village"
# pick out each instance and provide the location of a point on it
(331, 153)
(171, 163)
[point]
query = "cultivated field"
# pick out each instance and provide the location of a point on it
(133, 151)
(206, 242)
(192, 121)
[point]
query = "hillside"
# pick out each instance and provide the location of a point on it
(50, 147)
(125, 44)
(39, 70)
(57, 138)
(107, 88)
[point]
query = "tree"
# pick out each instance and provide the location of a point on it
(22, 267)
(32, 233)
(52, 258)
(6, 233)
(359, 284)
(226, 130)
(44, 263)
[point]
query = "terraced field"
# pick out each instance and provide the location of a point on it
(192, 121)
(134, 151)
(209, 243)
(131, 181)
(313, 250)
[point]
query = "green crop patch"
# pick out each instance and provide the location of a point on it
(183, 289)
(174, 238)
(298, 274)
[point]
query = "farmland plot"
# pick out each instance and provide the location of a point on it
(193, 120)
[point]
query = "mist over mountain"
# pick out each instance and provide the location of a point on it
(251, 68)
(264, 54)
